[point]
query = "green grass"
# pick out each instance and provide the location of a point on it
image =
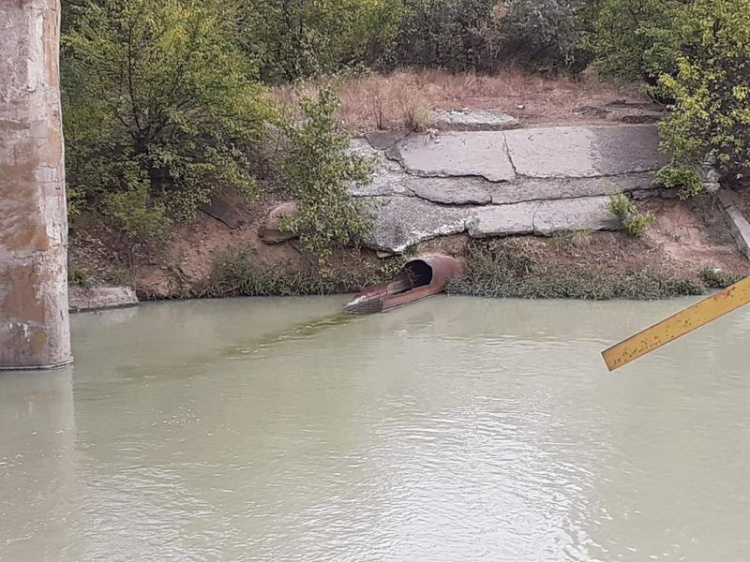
(513, 268)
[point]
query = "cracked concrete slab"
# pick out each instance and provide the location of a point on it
(403, 221)
(543, 217)
(480, 153)
(451, 191)
(566, 152)
(534, 189)
(589, 213)
(503, 220)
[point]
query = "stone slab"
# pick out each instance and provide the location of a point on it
(474, 120)
(82, 299)
(503, 220)
(219, 209)
(535, 189)
(451, 191)
(566, 152)
(543, 217)
(588, 213)
(403, 221)
(481, 154)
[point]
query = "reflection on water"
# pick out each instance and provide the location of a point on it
(453, 429)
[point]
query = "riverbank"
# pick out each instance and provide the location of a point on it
(524, 202)
(688, 250)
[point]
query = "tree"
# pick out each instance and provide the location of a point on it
(159, 100)
(710, 123)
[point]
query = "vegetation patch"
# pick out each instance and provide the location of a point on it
(634, 222)
(522, 268)
(235, 273)
(715, 278)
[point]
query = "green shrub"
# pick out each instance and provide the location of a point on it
(294, 40)
(634, 223)
(711, 121)
(137, 219)
(485, 35)
(686, 179)
(77, 277)
(157, 96)
(318, 168)
(636, 38)
(544, 34)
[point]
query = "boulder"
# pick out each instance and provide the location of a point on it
(271, 231)
(222, 211)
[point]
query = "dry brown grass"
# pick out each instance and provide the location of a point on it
(404, 99)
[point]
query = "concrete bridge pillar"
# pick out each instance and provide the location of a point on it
(34, 330)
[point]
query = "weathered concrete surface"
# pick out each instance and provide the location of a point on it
(403, 221)
(579, 152)
(543, 217)
(272, 231)
(474, 120)
(588, 213)
(533, 181)
(451, 191)
(82, 299)
(533, 189)
(34, 328)
(455, 154)
(738, 224)
(503, 220)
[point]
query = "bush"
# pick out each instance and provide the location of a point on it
(318, 168)
(294, 40)
(711, 121)
(485, 35)
(685, 179)
(636, 38)
(544, 34)
(159, 102)
(234, 273)
(634, 223)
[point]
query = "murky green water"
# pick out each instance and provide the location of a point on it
(451, 430)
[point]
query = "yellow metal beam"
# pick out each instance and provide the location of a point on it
(680, 324)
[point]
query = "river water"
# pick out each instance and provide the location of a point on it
(455, 429)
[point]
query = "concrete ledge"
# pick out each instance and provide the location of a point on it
(738, 225)
(83, 299)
